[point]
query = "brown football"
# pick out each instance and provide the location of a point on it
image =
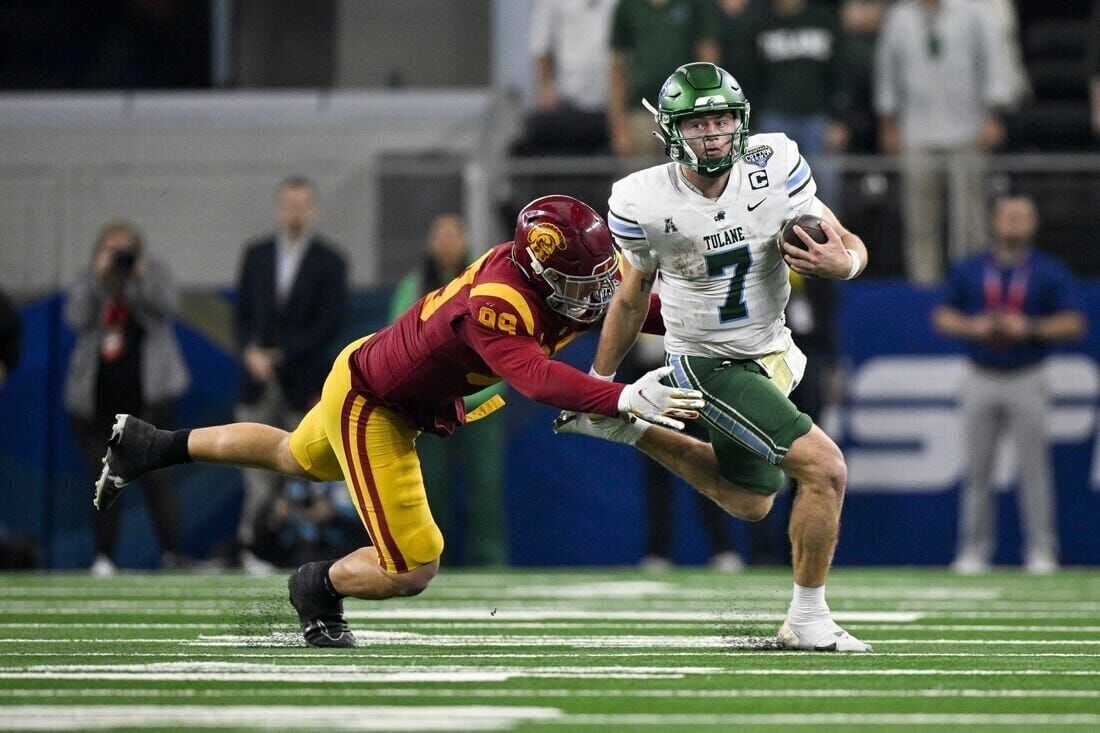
(810, 224)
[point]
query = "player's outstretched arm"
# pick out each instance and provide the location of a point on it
(521, 362)
(624, 319)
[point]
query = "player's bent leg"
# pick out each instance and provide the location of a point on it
(360, 575)
(250, 445)
(816, 462)
(695, 462)
(689, 458)
(136, 448)
(317, 592)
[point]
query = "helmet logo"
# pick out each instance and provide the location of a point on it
(543, 239)
(707, 101)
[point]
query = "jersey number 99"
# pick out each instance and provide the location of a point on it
(506, 322)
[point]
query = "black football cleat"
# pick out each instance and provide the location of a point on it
(320, 614)
(132, 452)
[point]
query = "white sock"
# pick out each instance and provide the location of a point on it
(807, 604)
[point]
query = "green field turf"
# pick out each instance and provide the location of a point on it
(538, 650)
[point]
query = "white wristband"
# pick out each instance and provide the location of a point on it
(855, 264)
(593, 373)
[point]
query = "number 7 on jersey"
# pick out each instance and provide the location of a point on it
(738, 258)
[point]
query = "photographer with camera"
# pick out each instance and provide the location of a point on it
(126, 360)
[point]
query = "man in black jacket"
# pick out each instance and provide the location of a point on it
(290, 297)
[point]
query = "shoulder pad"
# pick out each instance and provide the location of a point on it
(502, 307)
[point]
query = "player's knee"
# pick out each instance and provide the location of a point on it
(422, 547)
(819, 465)
(832, 471)
(756, 510)
(415, 581)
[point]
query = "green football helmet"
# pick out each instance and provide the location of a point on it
(694, 89)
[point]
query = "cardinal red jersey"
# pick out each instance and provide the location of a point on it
(487, 324)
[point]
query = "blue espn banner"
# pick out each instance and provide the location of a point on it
(899, 432)
(578, 501)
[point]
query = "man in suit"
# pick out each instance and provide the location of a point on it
(290, 297)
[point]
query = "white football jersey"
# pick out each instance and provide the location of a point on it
(724, 281)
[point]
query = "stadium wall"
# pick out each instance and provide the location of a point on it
(575, 501)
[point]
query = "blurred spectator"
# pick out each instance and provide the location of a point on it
(860, 21)
(735, 40)
(1094, 67)
(290, 298)
(942, 79)
(10, 337)
(309, 522)
(1006, 32)
(799, 89)
(649, 353)
(475, 454)
(1008, 306)
(126, 360)
(569, 42)
(649, 40)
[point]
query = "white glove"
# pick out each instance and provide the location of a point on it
(650, 400)
(625, 429)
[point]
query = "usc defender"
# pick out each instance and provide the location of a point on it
(503, 318)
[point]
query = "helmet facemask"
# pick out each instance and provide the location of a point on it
(581, 298)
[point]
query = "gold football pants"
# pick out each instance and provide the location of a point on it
(344, 437)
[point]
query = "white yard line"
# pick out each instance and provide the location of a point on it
(558, 614)
(512, 624)
(967, 628)
(380, 638)
(830, 719)
(832, 693)
(107, 625)
(722, 656)
(332, 717)
(598, 589)
(222, 671)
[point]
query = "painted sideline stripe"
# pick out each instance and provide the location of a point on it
(832, 719)
(537, 609)
(347, 717)
(604, 642)
(978, 627)
(530, 614)
(512, 624)
(831, 693)
(715, 655)
(105, 625)
(230, 671)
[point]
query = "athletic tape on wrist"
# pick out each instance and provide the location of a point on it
(855, 264)
(608, 378)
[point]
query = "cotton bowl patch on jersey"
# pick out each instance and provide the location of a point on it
(759, 156)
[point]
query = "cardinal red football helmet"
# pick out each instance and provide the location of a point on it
(565, 249)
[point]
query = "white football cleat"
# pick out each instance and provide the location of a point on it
(970, 564)
(727, 562)
(820, 636)
(624, 430)
(655, 564)
(103, 567)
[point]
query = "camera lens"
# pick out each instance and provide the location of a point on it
(124, 261)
